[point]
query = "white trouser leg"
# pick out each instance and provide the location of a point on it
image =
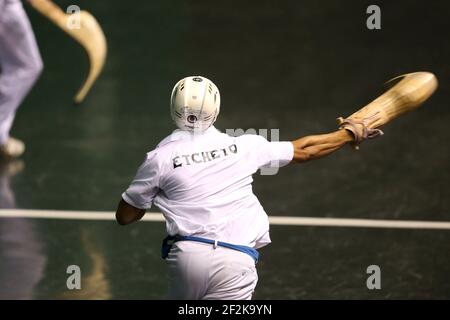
(20, 62)
(198, 271)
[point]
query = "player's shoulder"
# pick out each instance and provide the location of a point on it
(175, 136)
(150, 160)
(159, 150)
(164, 147)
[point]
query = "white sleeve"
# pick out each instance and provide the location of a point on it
(270, 154)
(145, 185)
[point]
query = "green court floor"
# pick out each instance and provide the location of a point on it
(288, 65)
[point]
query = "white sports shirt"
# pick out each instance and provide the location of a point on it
(203, 184)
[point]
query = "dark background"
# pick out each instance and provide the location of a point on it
(288, 65)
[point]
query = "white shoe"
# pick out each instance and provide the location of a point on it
(13, 148)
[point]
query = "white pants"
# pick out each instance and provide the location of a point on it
(20, 62)
(200, 271)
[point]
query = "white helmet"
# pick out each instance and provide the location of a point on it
(195, 103)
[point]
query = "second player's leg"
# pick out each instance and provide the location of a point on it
(20, 62)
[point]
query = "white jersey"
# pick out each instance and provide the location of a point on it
(203, 184)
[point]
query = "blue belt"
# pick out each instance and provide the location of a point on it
(170, 240)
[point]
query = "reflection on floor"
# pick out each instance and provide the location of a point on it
(22, 253)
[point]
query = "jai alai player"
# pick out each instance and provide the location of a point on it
(20, 65)
(201, 179)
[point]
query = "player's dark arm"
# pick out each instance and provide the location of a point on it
(317, 146)
(126, 213)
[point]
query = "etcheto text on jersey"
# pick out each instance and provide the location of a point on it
(205, 156)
